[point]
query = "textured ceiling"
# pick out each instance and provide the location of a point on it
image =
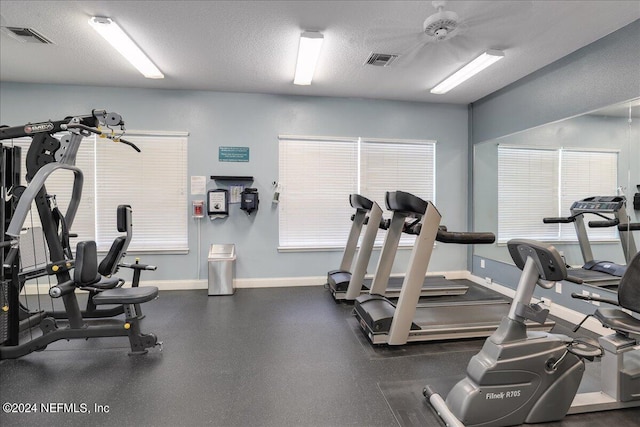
(251, 46)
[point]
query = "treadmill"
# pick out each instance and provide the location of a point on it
(594, 272)
(386, 322)
(346, 286)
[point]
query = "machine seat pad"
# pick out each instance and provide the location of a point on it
(126, 296)
(618, 320)
(107, 283)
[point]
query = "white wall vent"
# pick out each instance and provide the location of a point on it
(381, 59)
(25, 35)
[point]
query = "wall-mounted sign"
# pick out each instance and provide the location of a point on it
(233, 154)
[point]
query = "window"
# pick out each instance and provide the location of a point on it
(396, 165)
(153, 182)
(535, 183)
(317, 175)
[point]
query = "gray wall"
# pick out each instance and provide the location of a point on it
(600, 74)
(216, 119)
(603, 73)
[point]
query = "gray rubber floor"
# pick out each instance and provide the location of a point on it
(262, 357)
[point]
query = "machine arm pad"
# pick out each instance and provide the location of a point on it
(138, 266)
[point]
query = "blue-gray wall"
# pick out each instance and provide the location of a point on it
(216, 119)
(603, 73)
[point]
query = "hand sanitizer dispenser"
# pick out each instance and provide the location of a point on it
(249, 200)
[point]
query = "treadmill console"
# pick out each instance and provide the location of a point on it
(600, 204)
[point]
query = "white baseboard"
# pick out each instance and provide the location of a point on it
(280, 282)
(275, 282)
(183, 285)
(271, 282)
(564, 313)
(571, 316)
(246, 283)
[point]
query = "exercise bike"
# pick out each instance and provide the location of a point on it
(533, 377)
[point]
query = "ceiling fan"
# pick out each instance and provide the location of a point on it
(442, 25)
(447, 35)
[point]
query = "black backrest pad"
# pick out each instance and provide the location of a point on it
(629, 287)
(107, 265)
(86, 267)
(360, 202)
(123, 217)
(548, 261)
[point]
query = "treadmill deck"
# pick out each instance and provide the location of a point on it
(432, 286)
(593, 277)
(438, 321)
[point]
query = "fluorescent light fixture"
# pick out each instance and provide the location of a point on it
(308, 53)
(127, 48)
(468, 71)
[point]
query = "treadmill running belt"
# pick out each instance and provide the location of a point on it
(436, 282)
(592, 275)
(475, 293)
(460, 317)
(433, 287)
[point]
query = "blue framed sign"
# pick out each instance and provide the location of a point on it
(233, 154)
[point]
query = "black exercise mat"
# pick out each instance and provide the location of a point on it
(409, 406)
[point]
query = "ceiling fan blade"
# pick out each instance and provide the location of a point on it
(462, 49)
(414, 52)
(494, 13)
(397, 44)
(445, 53)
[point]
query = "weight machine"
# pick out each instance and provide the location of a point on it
(46, 155)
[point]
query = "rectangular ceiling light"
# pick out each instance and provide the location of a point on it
(127, 48)
(308, 53)
(468, 71)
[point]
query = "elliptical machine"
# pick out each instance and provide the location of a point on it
(533, 377)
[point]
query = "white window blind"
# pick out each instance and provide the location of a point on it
(537, 183)
(317, 175)
(397, 165)
(316, 178)
(527, 192)
(153, 182)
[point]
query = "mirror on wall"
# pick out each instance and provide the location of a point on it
(538, 173)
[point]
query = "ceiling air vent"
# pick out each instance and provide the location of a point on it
(381, 59)
(26, 35)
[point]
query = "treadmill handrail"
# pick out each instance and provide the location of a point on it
(632, 226)
(604, 224)
(593, 298)
(560, 219)
(465, 237)
(458, 237)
